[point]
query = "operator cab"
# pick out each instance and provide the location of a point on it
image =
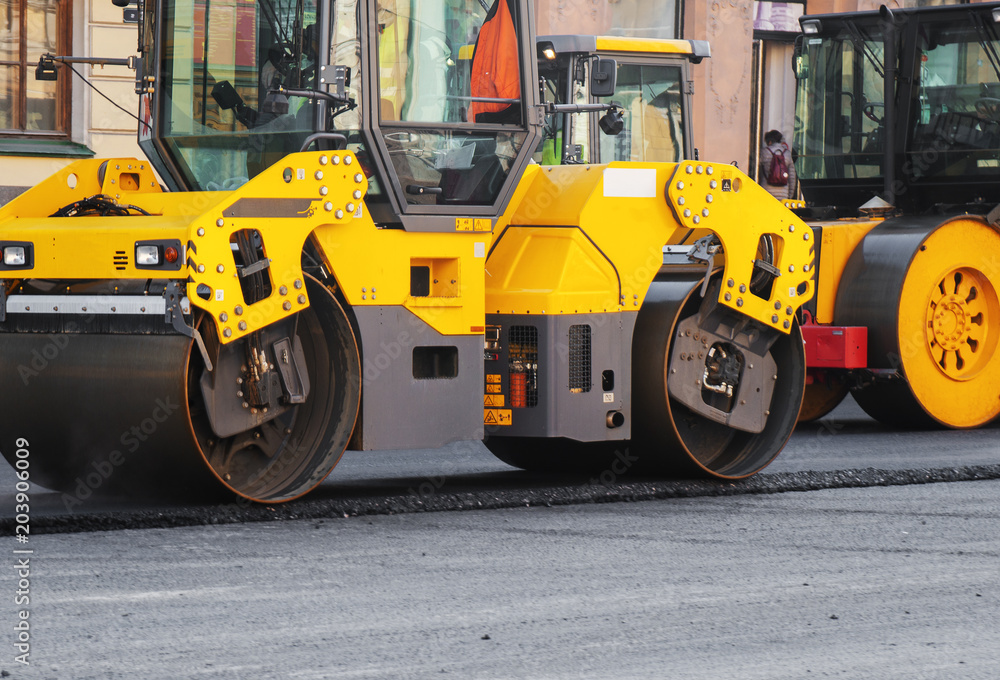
(430, 97)
(652, 89)
(946, 131)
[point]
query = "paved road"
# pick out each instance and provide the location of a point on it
(898, 582)
(466, 475)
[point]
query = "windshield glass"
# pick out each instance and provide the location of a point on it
(956, 125)
(221, 60)
(449, 99)
(839, 108)
(651, 98)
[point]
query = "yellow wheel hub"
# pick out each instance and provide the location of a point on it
(960, 313)
(949, 324)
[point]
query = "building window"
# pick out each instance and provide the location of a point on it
(29, 107)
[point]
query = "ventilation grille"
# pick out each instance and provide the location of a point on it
(121, 260)
(522, 343)
(579, 358)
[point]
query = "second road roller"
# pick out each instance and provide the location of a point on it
(338, 239)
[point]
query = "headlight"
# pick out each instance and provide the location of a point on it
(147, 256)
(14, 256)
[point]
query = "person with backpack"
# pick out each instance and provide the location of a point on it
(777, 172)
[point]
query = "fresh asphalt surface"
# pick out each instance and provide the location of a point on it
(839, 560)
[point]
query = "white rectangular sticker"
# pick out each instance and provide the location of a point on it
(300, 173)
(609, 397)
(630, 182)
(479, 250)
(220, 295)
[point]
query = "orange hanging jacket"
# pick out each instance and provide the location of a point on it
(495, 67)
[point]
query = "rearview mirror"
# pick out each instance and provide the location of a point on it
(603, 78)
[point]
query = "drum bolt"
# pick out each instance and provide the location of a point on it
(359, 178)
(673, 370)
(55, 309)
(219, 222)
(774, 377)
(220, 268)
(751, 366)
(243, 325)
(319, 174)
(680, 185)
(283, 290)
(348, 160)
(689, 169)
(350, 207)
(684, 356)
(743, 402)
(681, 201)
(336, 160)
(357, 194)
(788, 310)
(238, 310)
(687, 333)
(730, 283)
(777, 304)
(791, 228)
(709, 170)
(806, 267)
(713, 184)
(709, 198)
(805, 236)
(701, 355)
(328, 206)
(246, 405)
(739, 302)
(201, 269)
(114, 309)
(201, 231)
(223, 317)
(298, 283)
(786, 324)
(743, 288)
(287, 306)
(699, 169)
(227, 332)
(256, 435)
(323, 160)
(339, 214)
(228, 476)
(774, 318)
(696, 219)
(697, 336)
(253, 410)
(240, 394)
(791, 267)
(302, 299)
(323, 191)
(767, 413)
(239, 381)
(704, 212)
(687, 213)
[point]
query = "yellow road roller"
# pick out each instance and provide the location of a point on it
(338, 239)
(898, 142)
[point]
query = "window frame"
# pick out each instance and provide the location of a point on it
(64, 86)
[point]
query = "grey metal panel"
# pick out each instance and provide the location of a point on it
(401, 412)
(559, 412)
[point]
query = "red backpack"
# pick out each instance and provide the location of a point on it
(778, 176)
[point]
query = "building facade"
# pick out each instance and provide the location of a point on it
(745, 89)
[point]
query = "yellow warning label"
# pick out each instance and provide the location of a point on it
(484, 224)
(496, 416)
(463, 224)
(493, 389)
(493, 400)
(493, 378)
